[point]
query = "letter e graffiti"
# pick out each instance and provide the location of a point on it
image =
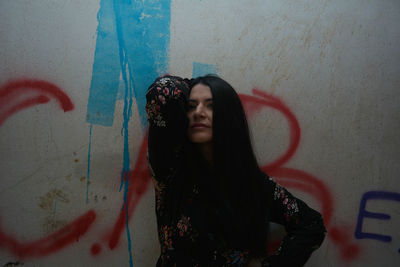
(381, 195)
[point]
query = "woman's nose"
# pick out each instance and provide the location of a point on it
(199, 111)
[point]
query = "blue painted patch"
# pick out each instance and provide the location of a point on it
(201, 69)
(145, 30)
(132, 44)
(143, 38)
(106, 69)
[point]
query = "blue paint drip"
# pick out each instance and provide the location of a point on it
(128, 232)
(143, 34)
(126, 113)
(201, 69)
(88, 165)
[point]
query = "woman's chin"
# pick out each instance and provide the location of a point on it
(200, 138)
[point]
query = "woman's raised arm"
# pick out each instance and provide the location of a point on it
(166, 112)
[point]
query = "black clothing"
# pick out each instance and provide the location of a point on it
(188, 233)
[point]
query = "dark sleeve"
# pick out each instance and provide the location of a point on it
(166, 112)
(304, 226)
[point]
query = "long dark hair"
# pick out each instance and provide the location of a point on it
(238, 180)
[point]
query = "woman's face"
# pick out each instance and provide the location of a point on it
(200, 114)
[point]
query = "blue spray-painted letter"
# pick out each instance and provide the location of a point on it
(359, 234)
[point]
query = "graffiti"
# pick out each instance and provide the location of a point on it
(138, 181)
(51, 243)
(301, 180)
(22, 94)
(368, 196)
(128, 32)
(123, 40)
(18, 95)
(12, 100)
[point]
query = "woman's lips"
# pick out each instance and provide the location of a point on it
(199, 125)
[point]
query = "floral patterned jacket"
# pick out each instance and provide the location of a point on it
(190, 239)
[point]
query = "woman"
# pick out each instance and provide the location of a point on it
(213, 203)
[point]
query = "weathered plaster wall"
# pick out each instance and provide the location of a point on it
(320, 81)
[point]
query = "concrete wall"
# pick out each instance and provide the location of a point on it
(320, 81)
